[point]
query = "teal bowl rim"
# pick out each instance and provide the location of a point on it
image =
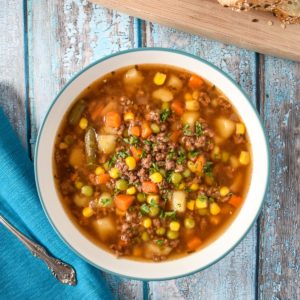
(139, 50)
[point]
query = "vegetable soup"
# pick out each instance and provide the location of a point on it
(152, 162)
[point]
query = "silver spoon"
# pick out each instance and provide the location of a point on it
(60, 270)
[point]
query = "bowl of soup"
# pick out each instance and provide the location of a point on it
(152, 164)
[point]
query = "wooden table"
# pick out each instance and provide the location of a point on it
(60, 37)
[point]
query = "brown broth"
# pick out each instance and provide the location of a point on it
(72, 172)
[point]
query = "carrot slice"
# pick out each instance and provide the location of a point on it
(102, 178)
(146, 130)
(123, 202)
(235, 201)
(149, 187)
(174, 137)
(194, 243)
(177, 107)
(113, 119)
(196, 82)
(136, 153)
(135, 130)
(199, 164)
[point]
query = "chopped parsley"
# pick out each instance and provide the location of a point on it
(144, 209)
(207, 169)
(106, 201)
(159, 242)
(154, 168)
(181, 157)
(153, 203)
(165, 114)
(198, 129)
(132, 140)
(170, 214)
(187, 129)
(171, 154)
(193, 154)
(113, 159)
(122, 153)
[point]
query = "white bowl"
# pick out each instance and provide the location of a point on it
(149, 270)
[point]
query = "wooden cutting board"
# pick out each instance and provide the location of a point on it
(208, 18)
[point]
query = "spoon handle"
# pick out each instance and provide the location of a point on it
(60, 270)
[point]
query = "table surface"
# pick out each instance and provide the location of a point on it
(43, 43)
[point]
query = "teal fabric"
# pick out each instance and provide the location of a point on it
(23, 276)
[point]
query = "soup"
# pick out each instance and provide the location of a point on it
(152, 162)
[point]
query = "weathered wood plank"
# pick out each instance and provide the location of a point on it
(64, 36)
(12, 83)
(279, 263)
(234, 276)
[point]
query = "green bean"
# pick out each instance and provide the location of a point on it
(76, 112)
(154, 211)
(186, 173)
(90, 146)
(141, 197)
(87, 191)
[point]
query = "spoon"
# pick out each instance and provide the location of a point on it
(60, 270)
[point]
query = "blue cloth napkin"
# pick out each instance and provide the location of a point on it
(21, 275)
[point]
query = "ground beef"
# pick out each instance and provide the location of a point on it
(238, 139)
(67, 187)
(223, 103)
(170, 165)
(146, 162)
(204, 99)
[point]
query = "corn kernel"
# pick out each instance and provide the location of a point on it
(214, 209)
(240, 128)
(188, 97)
(130, 162)
(244, 158)
(156, 177)
(181, 186)
(99, 171)
(224, 190)
(201, 202)
(63, 146)
(191, 166)
(174, 226)
(194, 186)
(78, 185)
(216, 152)
(128, 116)
(225, 156)
(87, 212)
(131, 190)
(83, 123)
(191, 205)
(145, 236)
(114, 173)
(147, 223)
(159, 78)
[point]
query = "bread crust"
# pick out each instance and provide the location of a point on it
(288, 11)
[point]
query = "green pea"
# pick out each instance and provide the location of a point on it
(172, 235)
(87, 191)
(154, 211)
(187, 173)
(176, 178)
(122, 184)
(155, 128)
(145, 236)
(189, 223)
(141, 197)
(160, 231)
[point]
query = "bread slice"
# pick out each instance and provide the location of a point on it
(288, 11)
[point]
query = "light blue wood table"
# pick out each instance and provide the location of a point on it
(45, 42)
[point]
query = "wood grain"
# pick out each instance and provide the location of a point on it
(234, 276)
(210, 19)
(279, 263)
(65, 36)
(12, 81)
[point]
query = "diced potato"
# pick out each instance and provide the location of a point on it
(244, 158)
(151, 250)
(133, 77)
(234, 162)
(107, 143)
(163, 94)
(80, 200)
(179, 201)
(109, 130)
(236, 185)
(190, 118)
(174, 82)
(105, 200)
(76, 157)
(105, 228)
(192, 105)
(225, 127)
(110, 106)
